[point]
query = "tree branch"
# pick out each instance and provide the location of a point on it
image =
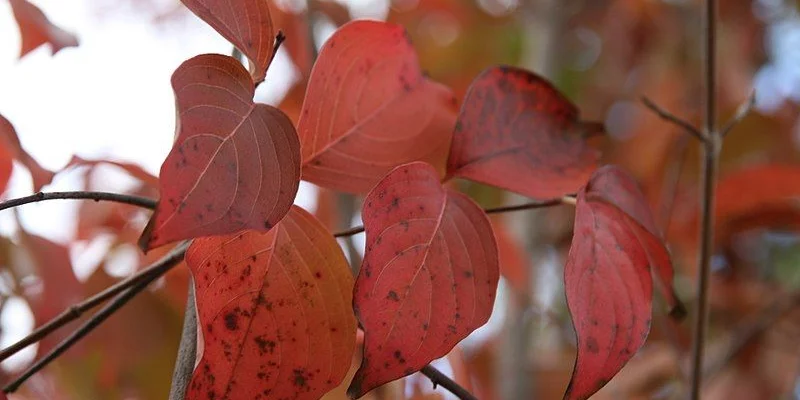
(75, 311)
(438, 378)
(495, 210)
(669, 117)
(93, 322)
(741, 112)
(184, 363)
(711, 148)
(96, 196)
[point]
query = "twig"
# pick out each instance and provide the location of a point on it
(96, 196)
(184, 363)
(741, 112)
(669, 117)
(438, 378)
(93, 322)
(711, 150)
(750, 331)
(75, 311)
(495, 210)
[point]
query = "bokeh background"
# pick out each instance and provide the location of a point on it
(109, 98)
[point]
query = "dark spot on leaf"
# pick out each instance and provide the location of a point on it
(392, 296)
(231, 321)
(591, 345)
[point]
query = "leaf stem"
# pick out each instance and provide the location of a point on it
(438, 378)
(672, 118)
(75, 311)
(494, 210)
(711, 149)
(96, 196)
(120, 300)
(187, 350)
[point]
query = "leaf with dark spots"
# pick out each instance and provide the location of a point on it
(517, 132)
(288, 330)
(9, 139)
(246, 24)
(413, 296)
(616, 187)
(36, 30)
(369, 108)
(235, 164)
(608, 284)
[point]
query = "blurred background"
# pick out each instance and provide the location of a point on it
(109, 98)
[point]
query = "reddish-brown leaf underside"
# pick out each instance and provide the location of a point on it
(36, 30)
(429, 274)
(616, 187)
(608, 285)
(369, 108)
(517, 132)
(234, 165)
(9, 139)
(274, 311)
(244, 23)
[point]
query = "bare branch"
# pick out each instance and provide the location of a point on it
(120, 300)
(711, 149)
(741, 112)
(669, 117)
(187, 348)
(495, 210)
(96, 196)
(438, 378)
(75, 311)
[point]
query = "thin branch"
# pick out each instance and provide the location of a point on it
(495, 210)
(138, 201)
(741, 112)
(75, 311)
(93, 322)
(438, 378)
(670, 117)
(184, 363)
(711, 150)
(752, 330)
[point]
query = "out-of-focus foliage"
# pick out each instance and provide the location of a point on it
(604, 54)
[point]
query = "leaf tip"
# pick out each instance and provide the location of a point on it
(677, 310)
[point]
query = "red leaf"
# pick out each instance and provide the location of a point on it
(235, 164)
(132, 169)
(36, 29)
(517, 132)
(244, 23)
(369, 108)
(59, 287)
(9, 138)
(6, 166)
(616, 187)
(274, 309)
(428, 278)
(608, 285)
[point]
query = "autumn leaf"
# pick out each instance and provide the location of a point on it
(428, 278)
(369, 108)
(9, 139)
(608, 283)
(274, 310)
(36, 30)
(517, 132)
(244, 23)
(234, 165)
(615, 186)
(58, 287)
(134, 170)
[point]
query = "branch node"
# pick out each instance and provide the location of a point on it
(742, 112)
